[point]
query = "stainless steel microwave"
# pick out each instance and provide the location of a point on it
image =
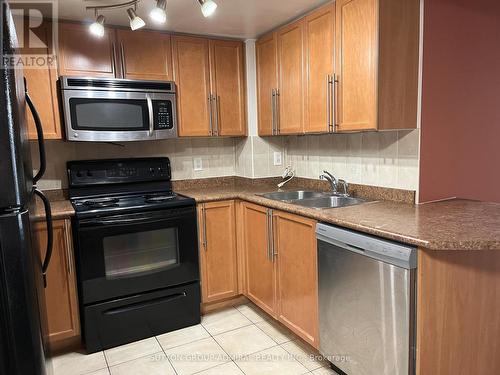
(118, 110)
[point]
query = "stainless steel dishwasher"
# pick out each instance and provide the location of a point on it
(366, 302)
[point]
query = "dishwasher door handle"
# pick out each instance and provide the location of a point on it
(343, 245)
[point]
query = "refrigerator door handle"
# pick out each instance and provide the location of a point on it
(39, 132)
(50, 234)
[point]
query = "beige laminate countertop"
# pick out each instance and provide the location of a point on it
(448, 225)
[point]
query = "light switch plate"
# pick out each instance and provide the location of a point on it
(198, 164)
(278, 158)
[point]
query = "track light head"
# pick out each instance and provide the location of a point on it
(97, 27)
(136, 22)
(207, 7)
(159, 12)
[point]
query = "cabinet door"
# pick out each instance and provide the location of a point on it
(320, 58)
(260, 268)
(145, 55)
(60, 295)
(291, 63)
(42, 88)
(267, 81)
(228, 86)
(82, 54)
(192, 75)
(295, 249)
(218, 259)
(356, 64)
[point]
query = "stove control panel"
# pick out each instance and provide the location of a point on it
(118, 171)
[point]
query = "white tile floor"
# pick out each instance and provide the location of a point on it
(240, 340)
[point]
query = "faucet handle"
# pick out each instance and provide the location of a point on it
(345, 186)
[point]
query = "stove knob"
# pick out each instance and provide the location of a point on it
(79, 174)
(152, 170)
(89, 174)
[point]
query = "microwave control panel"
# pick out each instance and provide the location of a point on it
(162, 110)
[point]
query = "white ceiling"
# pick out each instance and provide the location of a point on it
(244, 19)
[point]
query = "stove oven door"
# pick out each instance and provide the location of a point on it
(124, 255)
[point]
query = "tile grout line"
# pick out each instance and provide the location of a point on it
(166, 356)
(106, 360)
(249, 354)
(231, 360)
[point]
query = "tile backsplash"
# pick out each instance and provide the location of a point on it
(387, 159)
(217, 155)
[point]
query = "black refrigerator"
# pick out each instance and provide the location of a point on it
(23, 349)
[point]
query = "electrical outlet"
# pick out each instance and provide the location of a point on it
(198, 164)
(278, 158)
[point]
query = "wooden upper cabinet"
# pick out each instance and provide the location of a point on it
(228, 87)
(377, 44)
(267, 81)
(82, 54)
(356, 64)
(260, 267)
(192, 75)
(291, 61)
(219, 279)
(42, 89)
(145, 55)
(61, 299)
(295, 242)
(320, 41)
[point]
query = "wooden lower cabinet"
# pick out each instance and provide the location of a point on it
(218, 257)
(297, 271)
(260, 267)
(61, 297)
(458, 319)
(281, 268)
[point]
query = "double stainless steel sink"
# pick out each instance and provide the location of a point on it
(313, 199)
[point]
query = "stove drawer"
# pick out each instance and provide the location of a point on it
(114, 323)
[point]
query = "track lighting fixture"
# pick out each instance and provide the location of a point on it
(159, 12)
(97, 28)
(207, 7)
(136, 22)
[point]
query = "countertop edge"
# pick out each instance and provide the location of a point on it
(463, 246)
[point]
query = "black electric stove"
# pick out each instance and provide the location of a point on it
(136, 251)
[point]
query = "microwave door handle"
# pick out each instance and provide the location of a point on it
(39, 132)
(150, 113)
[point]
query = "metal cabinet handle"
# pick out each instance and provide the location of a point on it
(268, 235)
(273, 111)
(277, 111)
(150, 113)
(204, 214)
(216, 114)
(113, 57)
(122, 52)
(335, 83)
(69, 249)
(329, 101)
(272, 236)
(211, 124)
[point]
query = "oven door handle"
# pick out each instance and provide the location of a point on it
(123, 221)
